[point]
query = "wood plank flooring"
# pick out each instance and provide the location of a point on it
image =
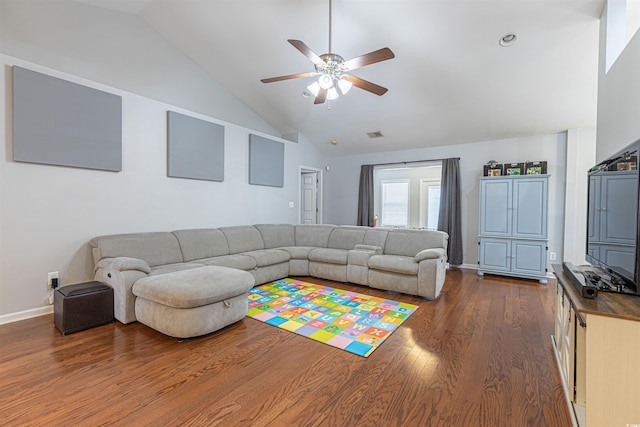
(481, 355)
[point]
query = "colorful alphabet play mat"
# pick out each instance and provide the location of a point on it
(351, 321)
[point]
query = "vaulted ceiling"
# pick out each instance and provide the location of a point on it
(450, 82)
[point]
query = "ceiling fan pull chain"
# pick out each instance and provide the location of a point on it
(330, 26)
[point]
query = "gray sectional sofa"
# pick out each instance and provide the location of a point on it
(187, 283)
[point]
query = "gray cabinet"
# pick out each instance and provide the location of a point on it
(513, 226)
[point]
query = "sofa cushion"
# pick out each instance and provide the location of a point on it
(239, 261)
(155, 248)
(266, 257)
(277, 235)
(201, 243)
(410, 242)
(376, 237)
(170, 268)
(346, 237)
(316, 235)
(329, 256)
(194, 288)
(243, 238)
(298, 252)
(393, 263)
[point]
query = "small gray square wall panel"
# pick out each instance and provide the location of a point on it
(195, 148)
(266, 161)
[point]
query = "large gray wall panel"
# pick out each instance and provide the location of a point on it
(266, 161)
(58, 122)
(195, 148)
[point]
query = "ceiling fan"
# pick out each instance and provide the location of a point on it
(332, 69)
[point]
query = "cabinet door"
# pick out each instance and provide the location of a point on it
(528, 257)
(530, 208)
(495, 254)
(495, 207)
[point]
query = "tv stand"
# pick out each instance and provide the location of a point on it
(596, 345)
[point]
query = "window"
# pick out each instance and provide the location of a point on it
(395, 203)
(623, 20)
(429, 203)
(401, 200)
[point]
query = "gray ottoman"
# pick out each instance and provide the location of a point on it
(193, 302)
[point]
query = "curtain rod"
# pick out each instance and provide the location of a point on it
(414, 161)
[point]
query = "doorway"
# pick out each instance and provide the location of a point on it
(310, 196)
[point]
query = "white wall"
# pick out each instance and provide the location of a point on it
(48, 213)
(618, 96)
(581, 149)
(117, 49)
(343, 180)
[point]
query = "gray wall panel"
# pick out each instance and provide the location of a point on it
(57, 122)
(195, 148)
(266, 161)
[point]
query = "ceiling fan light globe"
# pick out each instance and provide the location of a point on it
(314, 88)
(344, 85)
(325, 81)
(332, 94)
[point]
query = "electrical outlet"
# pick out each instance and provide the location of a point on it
(552, 256)
(51, 276)
(291, 204)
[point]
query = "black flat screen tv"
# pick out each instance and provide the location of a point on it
(612, 220)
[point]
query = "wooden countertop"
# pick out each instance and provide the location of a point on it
(605, 304)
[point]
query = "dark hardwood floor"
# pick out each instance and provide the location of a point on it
(481, 355)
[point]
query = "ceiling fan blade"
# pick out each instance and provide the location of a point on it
(365, 84)
(322, 96)
(288, 77)
(369, 58)
(306, 51)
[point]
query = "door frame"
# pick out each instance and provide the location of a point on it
(319, 194)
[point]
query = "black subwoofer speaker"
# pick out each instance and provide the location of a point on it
(82, 306)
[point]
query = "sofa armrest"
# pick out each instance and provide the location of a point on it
(434, 253)
(369, 248)
(123, 264)
(361, 253)
(121, 273)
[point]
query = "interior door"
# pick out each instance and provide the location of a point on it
(309, 198)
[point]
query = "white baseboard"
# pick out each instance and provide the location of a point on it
(550, 275)
(26, 314)
(466, 266)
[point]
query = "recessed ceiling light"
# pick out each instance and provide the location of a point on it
(305, 94)
(508, 39)
(334, 142)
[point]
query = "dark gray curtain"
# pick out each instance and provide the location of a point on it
(365, 196)
(450, 219)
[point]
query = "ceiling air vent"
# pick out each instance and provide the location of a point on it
(376, 134)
